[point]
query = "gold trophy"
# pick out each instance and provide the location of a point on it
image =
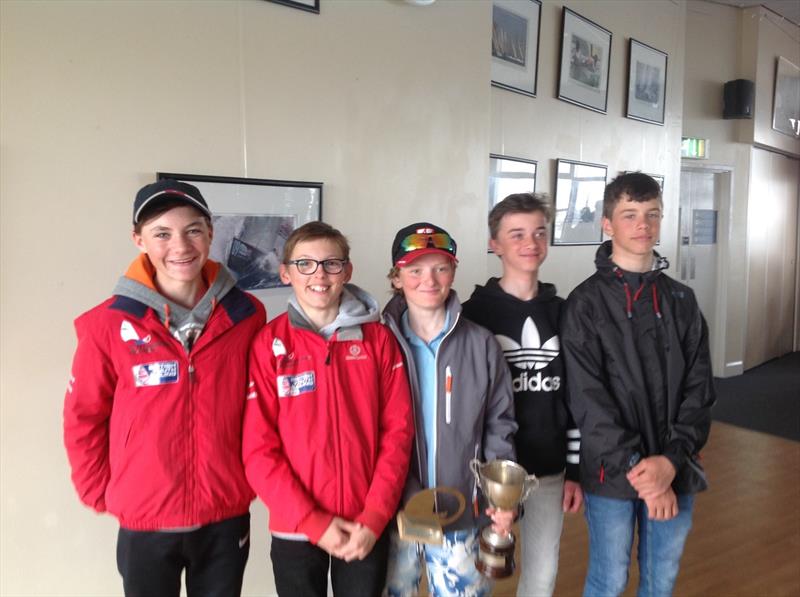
(505, 485)
(427, 512)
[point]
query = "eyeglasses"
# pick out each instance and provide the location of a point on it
(440, 240)
(310, 266)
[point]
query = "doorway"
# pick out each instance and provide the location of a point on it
(705, 195)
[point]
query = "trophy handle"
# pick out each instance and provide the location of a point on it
(474, 466)
(462, 503)
(529, 485)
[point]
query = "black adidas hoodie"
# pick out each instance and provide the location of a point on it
(528, 334)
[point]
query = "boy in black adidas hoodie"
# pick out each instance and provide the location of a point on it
(523, 313)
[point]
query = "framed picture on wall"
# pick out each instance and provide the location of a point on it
(509, 175)
(786, 105)
(647, 83)
(307, 5)
(252, 219)
(515, 44)
(585, 61)
(579, 203)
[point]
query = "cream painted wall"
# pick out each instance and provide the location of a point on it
(772, 37)
(387, 103)
(706, 71)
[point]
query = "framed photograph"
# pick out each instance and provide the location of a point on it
(786, 105)
(647, 83)
(515, 44)
(252, 219)
(579, 203)
(585, 61)
(509, 175)
(307, 5)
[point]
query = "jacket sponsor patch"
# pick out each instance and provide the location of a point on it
(155, 374)
(294, 385)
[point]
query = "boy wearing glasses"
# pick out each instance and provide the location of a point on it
(327, 425)
(641, 391)
(523, 314)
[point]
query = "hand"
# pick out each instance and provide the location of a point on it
(662, 507)
(361, 542)
(573, 496)
(652, 476)
(501, 520)
(336, 535)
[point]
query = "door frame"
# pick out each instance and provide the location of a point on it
(724, 176)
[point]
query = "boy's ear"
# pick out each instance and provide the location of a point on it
(283, 271)
(494, 247)
(607, 227)
(137, 240)
(348, 271)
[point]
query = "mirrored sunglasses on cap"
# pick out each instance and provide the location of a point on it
(438, 240)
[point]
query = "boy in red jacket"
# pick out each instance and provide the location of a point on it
(327, 428)
(153, 411)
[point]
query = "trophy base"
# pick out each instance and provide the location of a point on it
(496, 561)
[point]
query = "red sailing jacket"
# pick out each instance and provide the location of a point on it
(328, 426)
(153, 434)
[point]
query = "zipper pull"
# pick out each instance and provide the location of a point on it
(448, 392)
(191, 372)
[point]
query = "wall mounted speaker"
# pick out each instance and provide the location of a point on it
(738, 99)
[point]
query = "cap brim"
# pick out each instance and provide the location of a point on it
(168, 195)
(411, 257)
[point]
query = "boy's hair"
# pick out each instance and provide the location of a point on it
(518, 203)
(638, 186)
(315, 231)
(162, 207)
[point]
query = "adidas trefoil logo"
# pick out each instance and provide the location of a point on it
(531, 354)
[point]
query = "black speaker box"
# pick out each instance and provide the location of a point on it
(738, 99)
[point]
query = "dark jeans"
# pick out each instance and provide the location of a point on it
(214, 557)
(301, 570)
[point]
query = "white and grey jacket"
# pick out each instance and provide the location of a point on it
(474, 417)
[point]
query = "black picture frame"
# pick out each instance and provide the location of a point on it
(585, 62)
(516, 28)
(306, 5)
(578, 204)
(509, 175)
(647, 83)
(786, 99)
(252, 217)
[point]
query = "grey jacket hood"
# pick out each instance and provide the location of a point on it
(184, 324)
(357, 306)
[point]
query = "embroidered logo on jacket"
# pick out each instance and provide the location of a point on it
(128, 333)
(294, 385)
(354, 353)
(155, 374)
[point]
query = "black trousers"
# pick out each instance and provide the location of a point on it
(301, 570)
(214, 557)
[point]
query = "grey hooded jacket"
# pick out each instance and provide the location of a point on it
(474, 420)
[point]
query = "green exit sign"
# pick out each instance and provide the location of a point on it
(694, 148)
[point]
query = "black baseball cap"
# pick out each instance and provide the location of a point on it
(168, 190)
(421, 239)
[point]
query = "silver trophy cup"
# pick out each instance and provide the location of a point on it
(505, 484)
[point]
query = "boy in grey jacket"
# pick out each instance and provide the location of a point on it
(463, 407)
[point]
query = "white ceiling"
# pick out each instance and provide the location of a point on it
(789, 9)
